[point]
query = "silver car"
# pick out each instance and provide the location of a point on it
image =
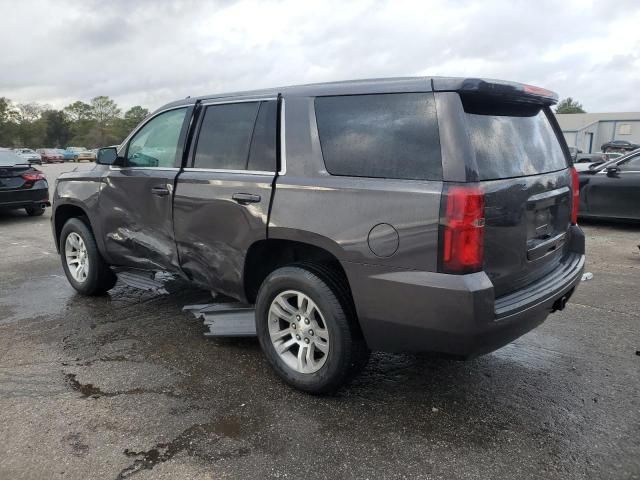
(30, 155)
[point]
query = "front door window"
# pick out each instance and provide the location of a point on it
(156, 144)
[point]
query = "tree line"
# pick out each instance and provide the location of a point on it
(95, 124)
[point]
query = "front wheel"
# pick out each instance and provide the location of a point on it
(83, 265)
(307, 331)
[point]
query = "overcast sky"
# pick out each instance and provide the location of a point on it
(150, 52)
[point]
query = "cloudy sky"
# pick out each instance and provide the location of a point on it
(149, 52)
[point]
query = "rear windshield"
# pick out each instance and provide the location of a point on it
(512, 142)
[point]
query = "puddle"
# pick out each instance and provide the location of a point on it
(220, 436)
(40, 296)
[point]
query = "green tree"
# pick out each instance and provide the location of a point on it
(104, 110)
(57, 128)
(132, 117)
(135, 115)
(8, 123)
(569, 105)
(93, 124)
(78, 111)
(105, 113)
(29, 112)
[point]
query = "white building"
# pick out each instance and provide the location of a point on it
(588, 131)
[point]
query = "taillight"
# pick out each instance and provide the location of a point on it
(33, 176)
(462, 230)
(575, 184)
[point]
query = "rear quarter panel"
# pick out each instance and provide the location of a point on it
(339, 213)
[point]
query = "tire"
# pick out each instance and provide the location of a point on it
(34, 211)
(99, 278)
(347, 352)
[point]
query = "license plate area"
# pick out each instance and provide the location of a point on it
(10, 182)
(548, 215)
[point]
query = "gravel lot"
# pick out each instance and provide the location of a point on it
(127, 386)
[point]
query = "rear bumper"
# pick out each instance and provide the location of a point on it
(414, 311)
(31, 197)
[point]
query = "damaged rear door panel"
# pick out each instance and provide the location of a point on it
(223, 194)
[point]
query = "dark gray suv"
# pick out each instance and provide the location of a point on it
(408, 214)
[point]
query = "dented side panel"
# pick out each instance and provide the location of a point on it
(213, 231)
(137, 224)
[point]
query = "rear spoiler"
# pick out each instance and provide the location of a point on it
(509, 91)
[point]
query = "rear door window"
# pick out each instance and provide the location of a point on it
(225, 136)
(631, 164)
(238, 136)
(262, 157)
(513, 141)
(382, 136)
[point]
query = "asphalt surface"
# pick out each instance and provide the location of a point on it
(126, 385)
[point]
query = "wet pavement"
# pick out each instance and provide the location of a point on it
(126, 385)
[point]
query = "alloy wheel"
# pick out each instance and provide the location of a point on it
(298, 331)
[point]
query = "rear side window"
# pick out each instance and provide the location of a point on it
(383, 136)
(263, 146)
(512, 141)
(225, 136)
(632, 164)
(238, 136)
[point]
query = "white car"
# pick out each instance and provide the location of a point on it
(30, 155)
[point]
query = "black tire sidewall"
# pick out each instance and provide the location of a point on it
(34, 211)
(336, 367)
(92, 284)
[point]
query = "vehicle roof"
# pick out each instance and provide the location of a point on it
(363, 86)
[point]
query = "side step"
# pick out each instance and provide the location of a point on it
(226, 319)
(143, 281)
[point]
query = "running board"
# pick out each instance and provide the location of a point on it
(226, 319)
(142, 281)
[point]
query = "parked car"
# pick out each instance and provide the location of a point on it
(351, 215)
(612, 189)
(50, 155)
(67, 155)
(21, 185)
(573, 152)
(82, 154)
(619, 146)
(29, 155)
(589, 161)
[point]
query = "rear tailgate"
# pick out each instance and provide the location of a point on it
(513, 151)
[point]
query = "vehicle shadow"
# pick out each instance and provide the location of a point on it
(624, 225)
(19, 216)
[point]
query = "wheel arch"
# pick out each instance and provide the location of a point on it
(65, 212)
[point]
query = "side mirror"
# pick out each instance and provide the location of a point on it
(109, 156)
(613, 170)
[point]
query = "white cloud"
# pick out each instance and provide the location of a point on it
(150, 52)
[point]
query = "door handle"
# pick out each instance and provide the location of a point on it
(160, 190)
(245, 198)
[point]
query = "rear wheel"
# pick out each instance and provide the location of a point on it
(307, 331)
(83, 265)
(34, 211)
